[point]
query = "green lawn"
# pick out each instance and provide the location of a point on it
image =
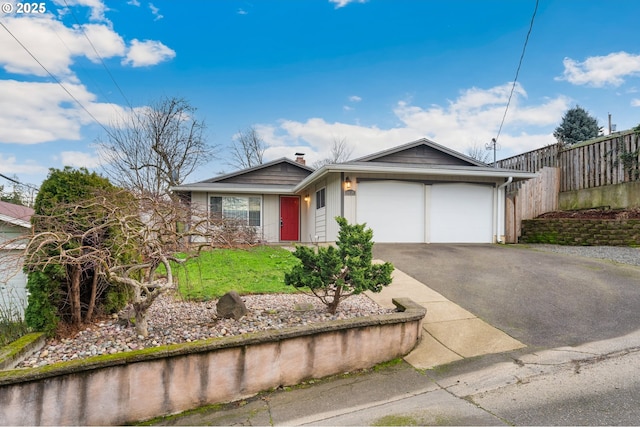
(247, 271)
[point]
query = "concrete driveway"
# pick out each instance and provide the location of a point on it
(542, 299)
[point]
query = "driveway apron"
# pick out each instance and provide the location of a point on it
(541, 299)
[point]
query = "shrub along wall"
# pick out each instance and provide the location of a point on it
(124, 388)
(586, 232)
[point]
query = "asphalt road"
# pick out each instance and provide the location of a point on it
(604, 392)
(542, 299)
(546, 300)
(596, 384)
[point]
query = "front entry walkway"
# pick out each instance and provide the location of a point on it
(450, 332)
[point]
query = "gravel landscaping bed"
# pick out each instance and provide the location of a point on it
(621, 254)
(174, 321)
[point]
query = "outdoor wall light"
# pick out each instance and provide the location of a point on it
(307, 198)
(347, 183)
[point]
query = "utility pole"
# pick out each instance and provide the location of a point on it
(493, 145)
(612, 127)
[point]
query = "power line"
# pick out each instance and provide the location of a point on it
(99, 56)
(85, 73)
(54, 78)
(524, 48)
(18, 182)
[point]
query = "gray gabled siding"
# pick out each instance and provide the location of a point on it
(422, 154)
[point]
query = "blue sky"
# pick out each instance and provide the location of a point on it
(376, 73)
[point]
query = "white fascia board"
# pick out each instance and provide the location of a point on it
(235, 189)
(15, 221)
(417, 170)
(14, 247)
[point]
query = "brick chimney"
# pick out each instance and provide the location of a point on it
(300, 158)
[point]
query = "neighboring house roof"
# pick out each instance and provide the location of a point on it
(16, 214)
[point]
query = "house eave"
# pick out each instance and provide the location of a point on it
(234, 188)
(14, 246)
(255, 168)
(15, 221)
(405, 169)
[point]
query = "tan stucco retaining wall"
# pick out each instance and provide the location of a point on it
(128, 387)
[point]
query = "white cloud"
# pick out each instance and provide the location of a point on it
(242, 12)
(473, 117)
(599, 71)
(352, 99)
(155, 12)
(134, 3)
(11, 167)
(79, 159)
(41, 112)
(343, 3)
(53, 44)
(97, 7)
(147, 52)
(635, 102)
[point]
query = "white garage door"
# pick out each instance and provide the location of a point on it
(461, 213)
(394, 210)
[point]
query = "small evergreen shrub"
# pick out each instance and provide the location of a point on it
(41, 313)
(332, 274)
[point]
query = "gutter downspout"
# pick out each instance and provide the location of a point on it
(498, 205)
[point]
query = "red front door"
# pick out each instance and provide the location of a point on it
(289, 218)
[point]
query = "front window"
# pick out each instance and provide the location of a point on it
(320, 198)
(241, 208)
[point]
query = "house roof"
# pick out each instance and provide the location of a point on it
(253, 169)
(465, 167)
(433, 170)
(422, 157)
(16, 214)
(275, 177)
(418, 143)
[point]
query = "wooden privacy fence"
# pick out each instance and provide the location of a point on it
(533, 197)
(609, 160)
(532, 161)
(614, 159)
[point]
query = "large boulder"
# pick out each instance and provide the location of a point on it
(231, 306)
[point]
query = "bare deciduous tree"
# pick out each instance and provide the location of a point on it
(156, 147)
(248, 149)
(140, 246)
(19, 193)
(340, 152)
(479, 153)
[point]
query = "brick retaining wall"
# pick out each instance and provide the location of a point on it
(582, 232)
